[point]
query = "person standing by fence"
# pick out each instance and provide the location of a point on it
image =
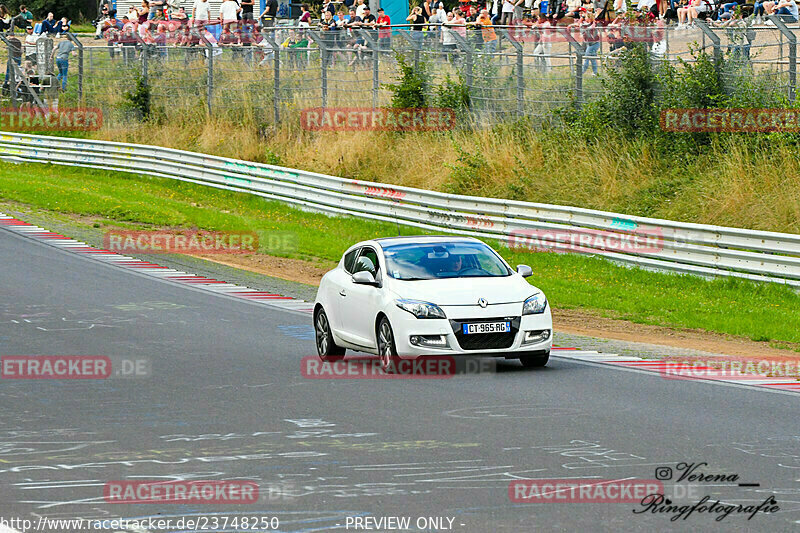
(15, 55)
(61, 54)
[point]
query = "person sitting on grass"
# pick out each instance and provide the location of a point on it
(785, 9)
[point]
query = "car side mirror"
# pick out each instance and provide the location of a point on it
(365, 278)
(525, 271)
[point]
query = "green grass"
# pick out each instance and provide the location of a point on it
(764, 312)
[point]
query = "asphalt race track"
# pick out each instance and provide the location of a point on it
(224, 399)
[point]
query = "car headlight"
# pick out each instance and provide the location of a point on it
(534, 305)
(420, 309)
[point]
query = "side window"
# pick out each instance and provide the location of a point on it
(350, 259)
(367, 260)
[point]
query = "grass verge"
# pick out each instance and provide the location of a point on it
(760, 312)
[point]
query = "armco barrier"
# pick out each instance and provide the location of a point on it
(689, 248)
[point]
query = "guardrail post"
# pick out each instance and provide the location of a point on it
(323, 54)
(715, 41)
(79, 46)
(792, 40)
(276, 50)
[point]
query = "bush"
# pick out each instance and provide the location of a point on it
(628, 101)
(410, 92)
(139, 99)
(74, 10)
(454, 94)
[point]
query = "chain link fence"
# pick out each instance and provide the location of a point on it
(271, 74)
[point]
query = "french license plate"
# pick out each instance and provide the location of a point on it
(486, 327)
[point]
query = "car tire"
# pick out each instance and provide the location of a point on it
(534, 361)
(387, 349)
(326, 347)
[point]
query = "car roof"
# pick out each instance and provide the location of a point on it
(421, 239)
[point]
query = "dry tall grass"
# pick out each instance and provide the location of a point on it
(732, 185)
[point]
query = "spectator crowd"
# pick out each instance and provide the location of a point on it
(26, 55)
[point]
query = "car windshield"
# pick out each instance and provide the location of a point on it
(438, 260)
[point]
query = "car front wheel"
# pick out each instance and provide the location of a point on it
(387, 350)
(534, 361)
(326, 348)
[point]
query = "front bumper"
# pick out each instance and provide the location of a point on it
(510, 345)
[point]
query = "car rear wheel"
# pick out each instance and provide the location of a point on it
(326, 348)
(534, 361)
(387, 350)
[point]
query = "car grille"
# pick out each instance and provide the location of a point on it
(485, 341)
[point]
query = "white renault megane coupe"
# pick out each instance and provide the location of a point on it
(420, 296)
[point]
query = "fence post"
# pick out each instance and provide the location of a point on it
(578, 48)
(415, 45)
(12, 73)
(792, 40)
(372, 43)
(210, 74)
(30, 90)
(323, 55)
(276, 49)
(712, 37)
(79, 46)
(145, 53)
(520, 72)
(465, 47)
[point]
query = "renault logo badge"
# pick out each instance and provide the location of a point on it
(482, 302)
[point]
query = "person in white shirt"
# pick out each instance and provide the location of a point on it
(645, 5)
(448, 36)
(508, 12)
(438, 16)
(228, 12)
(360, 9)
(201, 12)
(544, 46)
(620, 7)
(30, 44)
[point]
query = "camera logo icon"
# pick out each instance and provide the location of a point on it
(663, 473)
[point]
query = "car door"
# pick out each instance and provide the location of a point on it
(339, 281)
(359, 304)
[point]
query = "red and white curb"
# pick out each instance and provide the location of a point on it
(667, 370)
(152, 269)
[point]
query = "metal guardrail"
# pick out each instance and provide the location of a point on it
(682, 247)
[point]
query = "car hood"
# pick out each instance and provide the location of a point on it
(465, 291)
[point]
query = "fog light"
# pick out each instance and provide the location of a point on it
(536, 336)
(429, 341)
